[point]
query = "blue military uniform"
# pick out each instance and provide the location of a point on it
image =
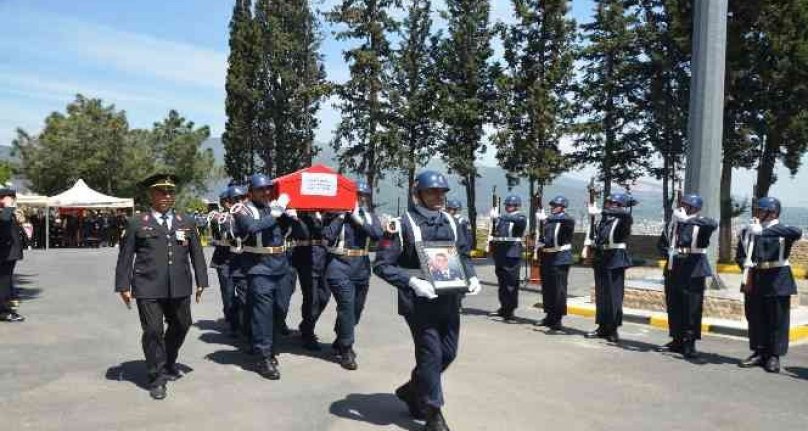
(685, 243)
(463, 224)
(309, 259)
(348, 272)
(434, 324)
(556, 259)
(609, 262)
(507, 248)
(770, 286)
(221, 226)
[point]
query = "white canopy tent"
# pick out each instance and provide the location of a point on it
(78, 196)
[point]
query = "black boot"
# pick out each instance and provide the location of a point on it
(310, 342)
(755, 360)
(268, 368)
(772, 364)
(435, 421)
(689, 349)
(406, 393)
(348, 359)
(158, 391)
(613, 336)
(597, 333)
(674, 346)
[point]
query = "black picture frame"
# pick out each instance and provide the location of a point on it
(441, 266)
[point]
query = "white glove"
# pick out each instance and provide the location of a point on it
(283, 201)
(593, 210)
(275, 209)
(356, 217)
(679, 214)
(422, 288)
(318, 215)
(755, 228)
(291, 212)
(474, 286)
(541, 215)
(494, 213)
(540, 245)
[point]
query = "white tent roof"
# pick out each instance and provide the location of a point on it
(32, 200)
(82, 196)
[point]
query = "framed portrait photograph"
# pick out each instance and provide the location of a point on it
(441, 265)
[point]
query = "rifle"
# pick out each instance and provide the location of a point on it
(749, 240)
(586, 253)
(673, 236)
(539, 227)
(494, 204)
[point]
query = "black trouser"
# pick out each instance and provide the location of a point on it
(230, 304)
(609, 287)
(350, 296)
(507, 271)
(283, 297)
(769, 322)
(7, 285)
(161, 350)
(684, 300)
(435, 329)
(315, 298)
(554, 290)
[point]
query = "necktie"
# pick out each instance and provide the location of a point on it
(164, 220)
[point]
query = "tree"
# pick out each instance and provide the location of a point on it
(177, 147)
(665, 37)
(6, 171)
(86, 142)
(608, 95)
(536, 110)
(413, 90)
(241, 142)
(466, 92)
(366, 136)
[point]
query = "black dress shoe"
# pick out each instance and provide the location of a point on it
(543, 322)
(284, 330)
(12, 316)
(689, 350)
(497, 313)
(348, 359)
(755, 360)
(311, 343)
(597, 333)
(158, 392)
(674, 346)
(435, 421)
(405, 393)
(268, 368)
(613, 337)
(555, 326)
(173, 373)
(772, 364)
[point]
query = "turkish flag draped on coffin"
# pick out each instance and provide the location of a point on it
(318, 188)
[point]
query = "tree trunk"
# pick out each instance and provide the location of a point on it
(472, 208)
(765, 174)
(725, 224)
(531, 219)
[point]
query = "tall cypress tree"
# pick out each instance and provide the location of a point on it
(365, 138)
(413, 90)
(536, 110)
(608, 95)
(466, 91)
(241, 103)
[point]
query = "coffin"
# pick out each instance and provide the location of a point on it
(318, 188)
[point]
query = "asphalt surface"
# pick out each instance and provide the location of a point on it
(76, 364)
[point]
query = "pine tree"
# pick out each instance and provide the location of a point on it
(365, 139)
(466, 91)
(536, 111)
(665, 39)
(608, 95)
(412, 97)
(241, 104)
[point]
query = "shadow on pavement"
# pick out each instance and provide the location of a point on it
(135, 372)
(470, 311)
(798, 372)
(703, 358)
(377, 409)
(25, 293)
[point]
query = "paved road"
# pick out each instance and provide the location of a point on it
(76, 365)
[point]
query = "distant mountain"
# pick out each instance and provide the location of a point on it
(5, 153)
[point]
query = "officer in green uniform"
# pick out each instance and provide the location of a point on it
(161, 244)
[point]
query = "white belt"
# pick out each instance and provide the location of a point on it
(506, 239)
(564, 247)
(615, 246)
(220, 243)
(264, 250)
(772, 264)
(691, 250)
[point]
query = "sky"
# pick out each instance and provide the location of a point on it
(149, 56)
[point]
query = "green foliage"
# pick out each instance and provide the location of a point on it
(6, 171)
(92, 141)
(466, 90)
(535, 109)
(366, 137)
(609, 135)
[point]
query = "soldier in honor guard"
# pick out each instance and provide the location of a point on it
(221, 227)
(685, 242)
(555, 246)
(453, 207)
(262, 224)
(162, 244)
(309, 259)
(238, 195)
(507, 246)
(763, 250)
(434, 320)
(11, 246)
(610, 261)
(348, 269)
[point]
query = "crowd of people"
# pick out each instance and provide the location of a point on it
(82, 228)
